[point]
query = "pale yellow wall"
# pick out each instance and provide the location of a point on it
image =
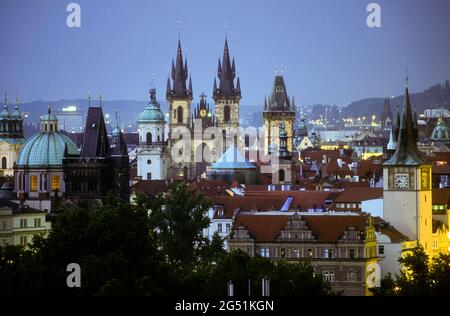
(11, 152)
(30, 230)
(272, 129)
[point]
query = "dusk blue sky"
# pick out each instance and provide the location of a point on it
(328, 52)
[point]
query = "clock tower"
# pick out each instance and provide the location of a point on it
(407, 184)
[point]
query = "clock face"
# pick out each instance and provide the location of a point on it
(401, 181)
(203, 113)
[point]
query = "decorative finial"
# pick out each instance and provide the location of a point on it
(49, 109)
(117, 118)
(282, 69)
(5, 100)
(17, 102)
(226, 29)
(89, 98)
(179, 29)
(100, 98)
(153, 80)
(407, 79)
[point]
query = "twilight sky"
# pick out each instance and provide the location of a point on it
(328, 53)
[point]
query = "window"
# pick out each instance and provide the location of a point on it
(351, 254)
(219, 227)
(23, 240)
(149, 176)
(149, 162)
(4, 225)
(33, 183)
(228, 227)
(226, 114)
(4, 163)
(55, 183)
(281, 175)
(23, 223)
(149, 138)
(328, 276)
(283, 253)
(296, 253)
(328, 253)
(37, 222)
(381, 250)
(264, 252)
(310, 253)
(180, 115)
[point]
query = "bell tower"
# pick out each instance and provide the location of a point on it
(227, 95)
(179, 98)
(407, 184)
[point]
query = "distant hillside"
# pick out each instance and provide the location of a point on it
(437, 95)
(128, 109)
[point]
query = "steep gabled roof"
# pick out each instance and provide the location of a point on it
(95, 140)
(407, 152)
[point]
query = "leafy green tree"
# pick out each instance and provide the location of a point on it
(420, 276)
(179, 217)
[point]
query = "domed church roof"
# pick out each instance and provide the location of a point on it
(47, 147)
(152, 112)
(440, 132)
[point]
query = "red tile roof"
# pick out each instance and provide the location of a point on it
(327, 228)
(358, 194)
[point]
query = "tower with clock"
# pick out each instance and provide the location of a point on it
(407, 184)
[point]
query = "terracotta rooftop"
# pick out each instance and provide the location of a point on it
(358, 194)
(327, 228)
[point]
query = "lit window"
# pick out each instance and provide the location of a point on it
(228, 227)
(34, 183)
(328, 276)
(56, 183)
(219, 227)
(264, 252)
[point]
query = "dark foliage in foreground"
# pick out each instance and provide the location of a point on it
(152, 247)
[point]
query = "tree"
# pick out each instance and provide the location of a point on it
(179, 217)
(420, 276)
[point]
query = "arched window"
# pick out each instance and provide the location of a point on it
(281, 175)
(4, 163)
(226, 114)
(180, 115)
(149, 138)
(159, 139)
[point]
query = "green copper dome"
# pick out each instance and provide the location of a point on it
(152, 112)
(47, 147)
(440, 132)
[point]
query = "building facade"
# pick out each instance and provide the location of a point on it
(152, 150)
(340, 247)
(11, 138)
(407, 184)
(278, 108)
